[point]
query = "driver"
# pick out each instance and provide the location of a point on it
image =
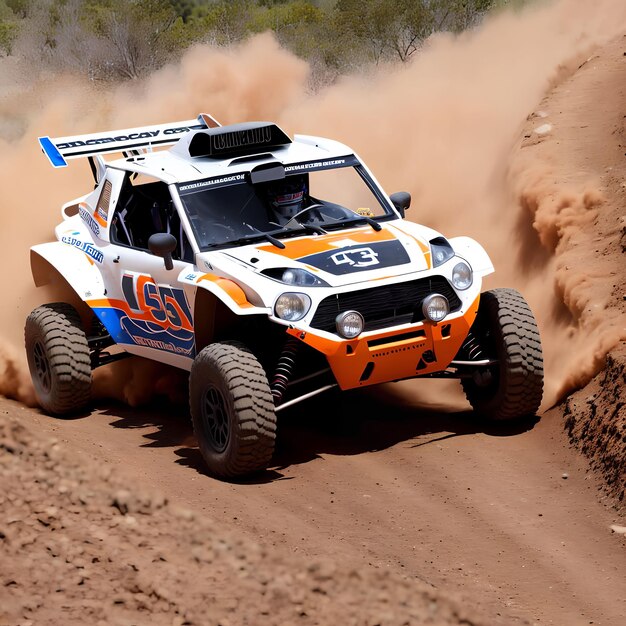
(290, 196)
(287, 197)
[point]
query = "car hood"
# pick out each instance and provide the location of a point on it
(339, 258)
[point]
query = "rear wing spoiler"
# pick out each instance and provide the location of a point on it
(60, 149)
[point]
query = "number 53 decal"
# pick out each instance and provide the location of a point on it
(162, 305)
(358, 257)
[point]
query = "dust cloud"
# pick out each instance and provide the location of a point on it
(442, 127)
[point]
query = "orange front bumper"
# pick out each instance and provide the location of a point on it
(393, 355)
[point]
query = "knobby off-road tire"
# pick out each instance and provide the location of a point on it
(506, 328)
(58, 358)
(232, 410)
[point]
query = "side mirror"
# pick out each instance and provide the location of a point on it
(163, 244)
(401, 200)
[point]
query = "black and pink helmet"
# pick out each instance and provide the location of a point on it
(287, 196)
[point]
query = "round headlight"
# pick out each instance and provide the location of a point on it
(435, 307)
(349, 324)
(462, 276)
(292, 306)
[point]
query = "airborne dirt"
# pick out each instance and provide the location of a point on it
(380, 507)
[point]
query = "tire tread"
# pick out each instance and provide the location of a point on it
(252, 403)
(59, 329)
(521, 367)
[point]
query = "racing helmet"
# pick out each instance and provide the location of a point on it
(287, 196)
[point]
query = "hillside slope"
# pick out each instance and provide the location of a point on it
(570, 175)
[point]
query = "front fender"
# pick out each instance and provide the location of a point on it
(79, 270)
(473, 253)
(225, 290)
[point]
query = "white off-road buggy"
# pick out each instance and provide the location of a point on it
(272, 270)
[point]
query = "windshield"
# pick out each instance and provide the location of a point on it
(313, 197)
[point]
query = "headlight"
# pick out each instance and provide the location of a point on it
(440, 250)
(435, 307)
(295, 276)
(292, 306)
(350, 324)
(462, 277)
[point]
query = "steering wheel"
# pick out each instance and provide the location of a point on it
(294, 219)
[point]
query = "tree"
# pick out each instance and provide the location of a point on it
(8, 28)
(224, 22)
(396, 28)
(106, 39)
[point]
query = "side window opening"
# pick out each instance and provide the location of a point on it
(145, 207)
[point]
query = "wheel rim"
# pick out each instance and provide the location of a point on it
(42, 367)
(215, 419)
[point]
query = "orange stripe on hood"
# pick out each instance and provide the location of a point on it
(296, 249)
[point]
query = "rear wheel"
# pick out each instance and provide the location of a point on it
(232, 410)
(58, 358)
(506, 329)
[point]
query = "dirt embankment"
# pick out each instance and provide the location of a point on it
(595, 420)
(569, 176)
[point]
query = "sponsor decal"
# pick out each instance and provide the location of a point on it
(192, 277)
(89, 220)
(161, 345)
(88, 248)
(148, 134)
(365, 212)
(356, 257)
(235, 178)
(300, 167)
(211, 182)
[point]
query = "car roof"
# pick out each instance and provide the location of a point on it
(176, 165)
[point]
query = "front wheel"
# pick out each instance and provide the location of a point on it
(506, 330)
(232, 410)
(58, 358)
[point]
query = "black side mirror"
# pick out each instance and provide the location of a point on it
(163, 244)
(401, 200)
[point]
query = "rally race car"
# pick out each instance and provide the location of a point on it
(271, 270)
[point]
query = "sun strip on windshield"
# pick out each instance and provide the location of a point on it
(294, 168)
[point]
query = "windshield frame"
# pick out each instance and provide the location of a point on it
(236, 178)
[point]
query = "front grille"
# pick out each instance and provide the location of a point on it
(388, 305)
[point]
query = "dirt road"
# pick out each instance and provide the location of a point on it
(508, 520)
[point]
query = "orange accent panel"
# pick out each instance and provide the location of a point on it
(394, 360)
(313, 245)
(230, 287)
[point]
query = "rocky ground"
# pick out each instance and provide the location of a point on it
(81, 545)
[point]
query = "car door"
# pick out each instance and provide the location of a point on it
(146, 309)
